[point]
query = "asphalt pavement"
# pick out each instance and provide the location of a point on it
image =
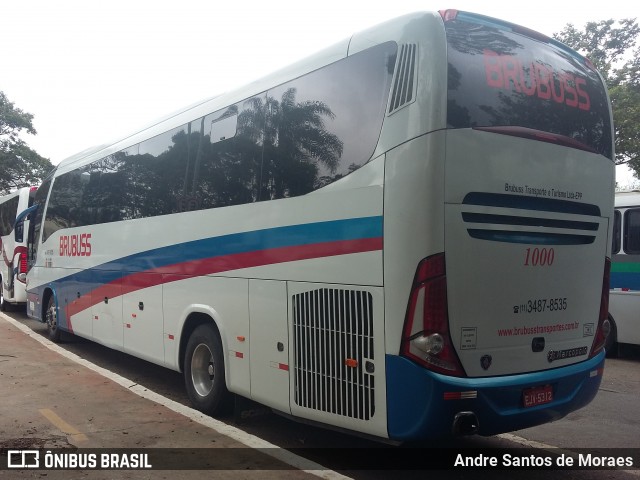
(70, 414)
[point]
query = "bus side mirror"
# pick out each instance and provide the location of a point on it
(18, 226)
(19, 232)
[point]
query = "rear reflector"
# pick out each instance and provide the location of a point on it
(460, 395)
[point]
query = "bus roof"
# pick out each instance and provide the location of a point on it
(340, 50)
(389, 30)
(629, 198)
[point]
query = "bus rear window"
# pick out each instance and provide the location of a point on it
(497, 77)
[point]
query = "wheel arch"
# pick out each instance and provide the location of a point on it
(196, 317)
(46, 295)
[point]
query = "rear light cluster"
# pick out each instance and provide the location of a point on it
(604, 326)
(426, 339)
(448, 15)
(22, 268)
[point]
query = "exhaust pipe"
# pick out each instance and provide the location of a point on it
(465, 423)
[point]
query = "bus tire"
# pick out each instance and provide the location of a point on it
(611, 343)
(51, 319)
(204, 372)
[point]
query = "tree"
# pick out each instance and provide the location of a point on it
(20, 165)
(611, 49)
(296, 143)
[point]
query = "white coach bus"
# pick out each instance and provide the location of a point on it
(406, 235)
(13, 251)
(624, 305)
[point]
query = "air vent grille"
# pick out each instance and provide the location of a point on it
(333, 348)
(403, 85)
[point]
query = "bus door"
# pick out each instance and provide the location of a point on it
(106, 312)
(142, 316)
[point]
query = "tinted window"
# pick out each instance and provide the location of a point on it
(123, 186)
(324, 125)
(502, 78)
(617, 233)
(294, 139)
(632, 231)
(159, 173)
(110, 195)
(8, 211)
(225, 155)
(66, 208)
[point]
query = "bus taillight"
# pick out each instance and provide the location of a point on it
(22, 268)
(23, 264)
(448, 15)
(604, 326)
(426, 338)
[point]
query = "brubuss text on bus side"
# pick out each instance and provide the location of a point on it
(75, 245)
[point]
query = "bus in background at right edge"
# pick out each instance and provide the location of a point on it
(624, 300)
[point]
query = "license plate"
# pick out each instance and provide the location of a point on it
(537, 396)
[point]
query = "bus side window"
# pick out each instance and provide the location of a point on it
(616, 241)
(8, 215)
(632, 231)
(334, 114)
(225, 155)
(159, 171)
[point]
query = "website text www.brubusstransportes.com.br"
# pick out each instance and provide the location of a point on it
(537, 329)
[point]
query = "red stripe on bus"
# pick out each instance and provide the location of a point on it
(209, 266)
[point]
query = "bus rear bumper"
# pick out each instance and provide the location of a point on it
(422, 404)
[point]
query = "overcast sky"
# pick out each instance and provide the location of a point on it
(91, 72)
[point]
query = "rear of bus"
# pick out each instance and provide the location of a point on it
(13, 246)
(506, 312)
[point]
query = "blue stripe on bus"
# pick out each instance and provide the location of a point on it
(244, 242)
(278, 237)
(630, 280)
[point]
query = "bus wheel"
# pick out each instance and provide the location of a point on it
(611, 344)
(51, 319)
(204, 372)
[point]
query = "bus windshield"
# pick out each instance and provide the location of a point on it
(499, 76)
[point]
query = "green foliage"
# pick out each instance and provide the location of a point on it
(19, 164)
(614, 50)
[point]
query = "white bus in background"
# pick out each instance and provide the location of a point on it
(624, 305)
(13, 259)
(406, 235)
